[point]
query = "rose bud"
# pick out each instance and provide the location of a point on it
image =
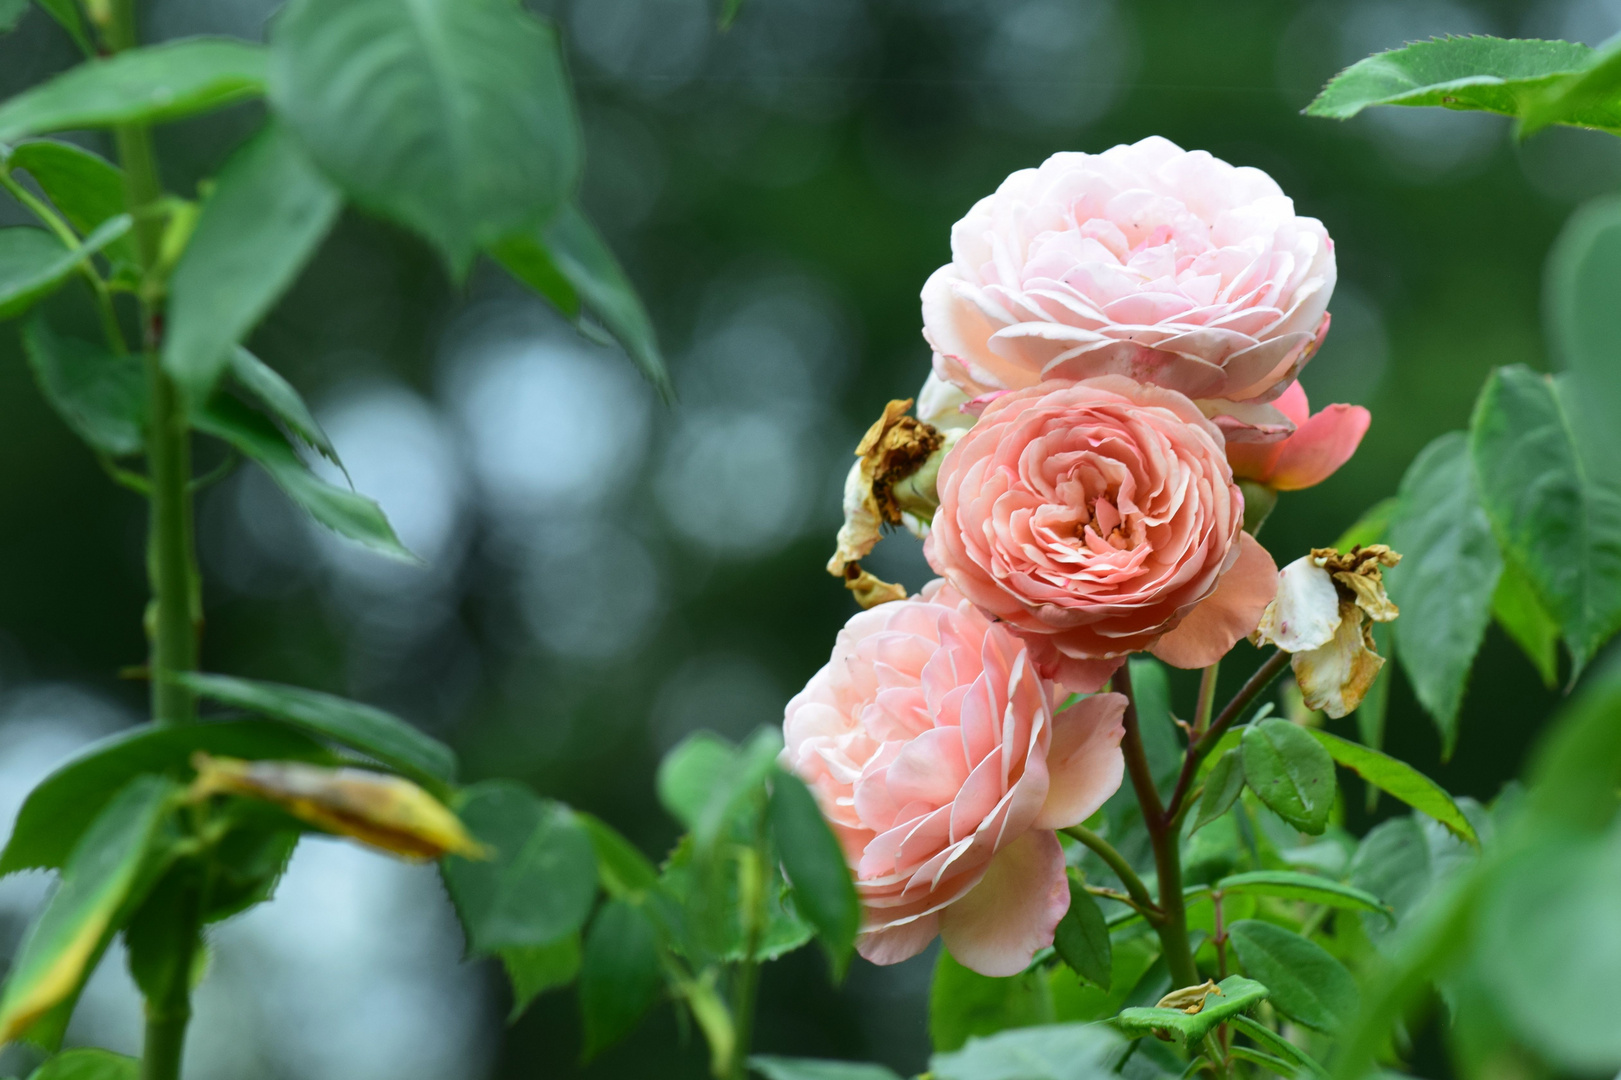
(1320, 444)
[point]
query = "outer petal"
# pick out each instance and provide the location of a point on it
(1305, 613)
(1321, 445)
(1084, 762)
(997, 928)
(1229, 613)
(892, 944)
(1335, 677)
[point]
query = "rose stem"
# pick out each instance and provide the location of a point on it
(1200, 749)
(1207, 700)
(1143, 899)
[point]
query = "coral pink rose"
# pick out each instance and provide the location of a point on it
(933, 749)
(1100, 519)
(1170, 266)
(1318, 447)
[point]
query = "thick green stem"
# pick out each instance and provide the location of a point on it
(746, 977)
(165, 1044)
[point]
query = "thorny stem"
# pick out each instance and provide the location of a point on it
(1200, 749)
(1207, 699)
(1115, 861)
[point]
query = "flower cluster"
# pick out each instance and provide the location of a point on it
(1115, 343)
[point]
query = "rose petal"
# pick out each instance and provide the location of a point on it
(1084, 762)
(997, 928)
(901, 941)
(1320, 446)
(1231, 612)
(1306, 611)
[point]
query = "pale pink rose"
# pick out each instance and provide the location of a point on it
(1318, 447)
(1170, 266)
(1099, 519)
(933, 749)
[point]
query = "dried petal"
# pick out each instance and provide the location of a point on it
(1306, 611)
(1335, 677)
(894, 449)
(869, 590)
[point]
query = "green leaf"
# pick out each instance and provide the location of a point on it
(1401, 780)
(783, 1068)
(1306, 983)
(1588, 98)
(1404, 861)
(700, 901)
(1552, 520)
(1446, 579)
(62, 806)
(1523, 618)
(704, 782)
(1370, 715)
(1290, 772)
(346, 513)
(963, 1003)
(101, 396)
(158, 932)
(33, 263)
(541, 880)
(452, 117)
(729, 10)
(98, 882)
(824, 892)
(1289, 885)
(268, 213)
(148, 85)
(11, 13)
(1584, 325)
(625, 873)
(1238, 995)
(1370, 528)
(620, 978)
(568, 263)
(1151, 691)
(1279, 1046)
(87, 188)
(248, 864)
(88, 1064)
(276, 396)
(66, 13)
(1082, 938)
(534, 969)
(375, 733)
(1576, 771)
(1050, 1052)
(1222, 787)
(1467, 73)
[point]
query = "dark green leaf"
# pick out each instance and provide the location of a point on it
(63, 805)
(88, 1064)
(451, 116)
(66, 13)
(1221, 788)
(1082, 938)
(1306, 983)
(1370, 528)
(534, 969)
(824, 892)
(1523, 618)
(1576, 771)
(1584, 324)
(1051, 1052)
(268, 213)
(1553, 521)
(1151, 691)
(99, 881)
(541, 880)
(1289, 885)
(85, 187)
(276, 396)
(33, 262)
(344, 512)
(1589, 98)
(964, 1003)
(101, 396)
(570, 265)
(247, 865)
(160, 930)
(783, 1068)
(1290, 772)
(700, 901)
(373, 732)
(1278, 1045)
(1238, 995)
(1470, 73)
(620, 977)
(1401, 780)
(1445, 582)
(148, 85)
(624, 871)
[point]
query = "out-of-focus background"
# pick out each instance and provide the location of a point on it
(604, 574)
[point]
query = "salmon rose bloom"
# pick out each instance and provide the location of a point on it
(1169, 266)
(934, 751)
(1100, 519)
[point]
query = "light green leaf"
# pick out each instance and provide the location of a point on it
(1523, 618)
(823, 890)
(534, 969)
(541, 880)
(1553, 521)
(620, 978)
(277, 397)
(1290, 772)
(102, 397)
(68, 937)
(1238, 995)
(346, 513)
(784, 1068)
(568, 263)
(1050, 1052)
(690, 773)
(625, 873)
(268, 213)
(1584, 325)
(963, 1003)
(1278, 1045)
(373, 732)
(1306, 983)
(451, 116)
(1289, 885)
(1468, 73)
(148, 85)
(1401, 780)
(1404, 861)
(87, 188)
(1589, 98)
(1222, 786)
(1082, 937)
(1370, 528)
(33, 263)
(88, 1064)
(1445, 582)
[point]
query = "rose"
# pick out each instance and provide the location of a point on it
(1319, 446)
(1170, 266)
(933, 749)
(1099, 519)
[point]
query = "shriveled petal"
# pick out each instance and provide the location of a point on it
(1320, 446)
(1306, 611)
(1242, 595)
(892, 944)
(998, 927)
(1335, 677)
(860, 532)
(1084, 762)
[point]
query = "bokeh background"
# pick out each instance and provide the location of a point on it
(604, 574)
